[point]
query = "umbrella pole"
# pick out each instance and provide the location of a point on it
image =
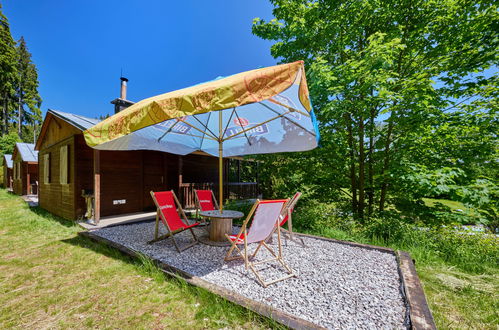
(220, 162)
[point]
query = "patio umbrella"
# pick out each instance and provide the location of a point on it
(266, 110)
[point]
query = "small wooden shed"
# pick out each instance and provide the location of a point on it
(122, 179)
(25, 169)
(7, 171)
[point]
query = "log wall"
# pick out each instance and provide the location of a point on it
(7, 176)
(53, 196)
(20, 184)
(126, 176)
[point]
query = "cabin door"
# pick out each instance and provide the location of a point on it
(154, 176)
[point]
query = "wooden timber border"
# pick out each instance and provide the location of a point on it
(418, 314)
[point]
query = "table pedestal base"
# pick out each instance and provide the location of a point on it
(219, 227)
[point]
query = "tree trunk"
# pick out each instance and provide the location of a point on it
(2, 129)
(386, 162)
(361, 205)
(353, 181)
(370, 191)
(20, 117)
(5, 128)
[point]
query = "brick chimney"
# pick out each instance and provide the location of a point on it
(121, 102)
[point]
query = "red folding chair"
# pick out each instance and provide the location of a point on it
(167, 205)
(205, 200)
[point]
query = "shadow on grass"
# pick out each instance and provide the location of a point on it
(51, 217)
(217, 307)
(87, 243)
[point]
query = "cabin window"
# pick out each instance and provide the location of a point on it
(63, 165)
(46, 168)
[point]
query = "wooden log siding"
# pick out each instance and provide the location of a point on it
(8, 176)
(54, 196)
(25, 174)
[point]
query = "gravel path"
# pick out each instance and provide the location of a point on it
(337, 286)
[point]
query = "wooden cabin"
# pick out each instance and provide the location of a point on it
(69, 169)
(25, 169)
(7, 171)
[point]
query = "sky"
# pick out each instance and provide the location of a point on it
(80, 47)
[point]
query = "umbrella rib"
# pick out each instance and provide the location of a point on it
(239, 120)
(168, 131)
(171, 128)
(228, 122)
(197, 129)
(250, 128)
(291, 121)
(194, 135)
(198, 136)
(205, 126)
(202, 139)
(288, 107)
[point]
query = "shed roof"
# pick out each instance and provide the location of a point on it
(8, 160)
(27, 152)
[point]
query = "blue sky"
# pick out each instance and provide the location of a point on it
(79, 47)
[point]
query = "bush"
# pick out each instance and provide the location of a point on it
(243, 206)
(389, 228)
(315, 216)
(474, 252)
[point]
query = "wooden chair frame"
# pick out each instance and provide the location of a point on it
(244, 254)
(170, 232)
(289, 210)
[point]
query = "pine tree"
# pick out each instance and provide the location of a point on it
(28, 99)
(8, 73)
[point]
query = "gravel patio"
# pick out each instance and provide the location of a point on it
(337, 285)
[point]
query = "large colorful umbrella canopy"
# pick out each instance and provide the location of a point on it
(266, 110)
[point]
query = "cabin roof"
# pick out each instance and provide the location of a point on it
(27, 152)
(8, 160)
(81, 123)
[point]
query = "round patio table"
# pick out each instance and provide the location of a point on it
(221, 223)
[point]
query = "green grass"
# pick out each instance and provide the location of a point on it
(52, 278)
(460, 295)
(453, 205)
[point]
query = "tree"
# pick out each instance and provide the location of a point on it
(28, 99)
(381, 73)
(7, 72)
(8, 143)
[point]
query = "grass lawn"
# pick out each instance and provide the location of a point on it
(52, 278)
